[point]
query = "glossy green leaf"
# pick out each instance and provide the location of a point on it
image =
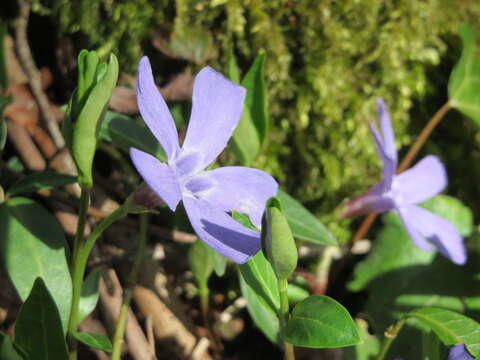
(9, 350)
(296, 293)
(303, 224)
(126, 133)
(38, 328)
(464, 81)
(246, 140)
(277, 241)
(95, 341)
(451, 328)
(264, 316)
(256, 99)
(40, 181)
(201, 262)
(89, 295)
(32, 244)
(368, 349)
(320, 322)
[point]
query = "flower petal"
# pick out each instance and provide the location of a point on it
(217, 105)
(160, 177)
(424, 225)
(220, 231)
(385, 144)
(371, 202)
(239, 188)
(459, 352)
(387, 130)
(155, 111)
(426, 179)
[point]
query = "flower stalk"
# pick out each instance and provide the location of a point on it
(389, 337)
(82, 251)
(284, 315)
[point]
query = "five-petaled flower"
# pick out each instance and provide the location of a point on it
(207, 196)
(401, 192)
(459, 352)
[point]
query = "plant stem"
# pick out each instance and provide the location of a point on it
(79, 265)
(76, 291)
(204, 294)
(405, 163)
(390, 335)
(127, 296)
(284, 316)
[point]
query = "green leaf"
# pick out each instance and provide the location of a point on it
(303, 224)
(126, 133)
(264, 316)
(38, 328)
(219, 263)
(256, 99)
(32, 245)
(246, 140)
(40, 181)
(201, 262)
(464, 80)
(451, 328)
(296, 293)
(95, 341)
(430, 346)
(89, 295)
(366, 350)
(320, 322)
(9, 350)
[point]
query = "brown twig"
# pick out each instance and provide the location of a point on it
(111, 299)
(404, 164)
(26, 60)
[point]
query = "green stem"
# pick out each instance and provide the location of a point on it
(284, 316)
(77, 244)
(204, 294)
(127, 296)
(80, 259)
(390, 335)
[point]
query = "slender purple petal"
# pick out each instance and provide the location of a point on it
(389, 164)
(220, 231)
(424, 225)
(387, 131)
(160, 177)
(412, 226)
(423, 181)
(459, 352)
(243, 189)
(155, 111)
(368, 203)
(217, 105)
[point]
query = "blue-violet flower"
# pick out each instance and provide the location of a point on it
(208, 196)
(401, 192)
(459, 352)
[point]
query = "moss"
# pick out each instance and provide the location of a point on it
(327, 62)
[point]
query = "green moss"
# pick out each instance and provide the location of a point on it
(327, 61)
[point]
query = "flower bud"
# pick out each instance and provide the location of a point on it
(278, 243)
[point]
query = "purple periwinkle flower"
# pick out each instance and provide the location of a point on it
(208, 195)
(459, 352)
(402, 192)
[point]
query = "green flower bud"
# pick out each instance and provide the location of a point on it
(278, 243)
(96, 82)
